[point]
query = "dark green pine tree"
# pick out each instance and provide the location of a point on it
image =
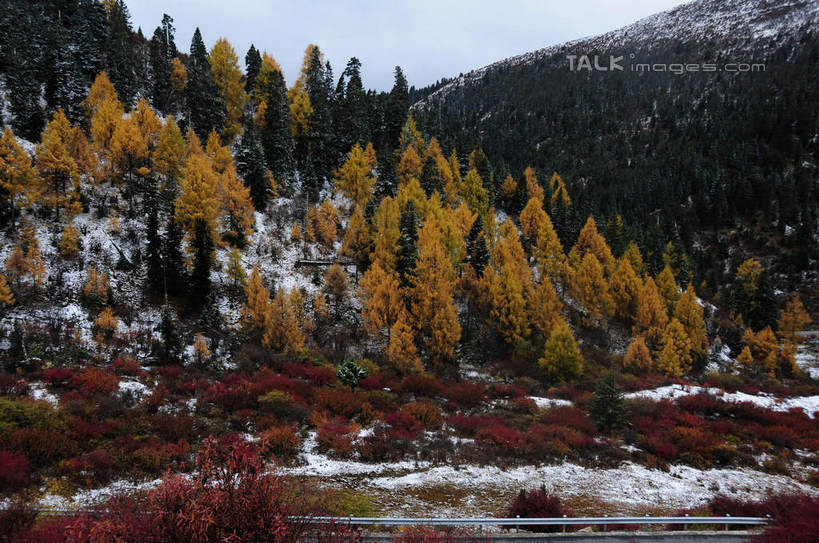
(253, 63)
(205, 108)
(171, 346)
(764, 306)
(277, 140)
(319, 135)
(120, 52)
(397, 109)
(22, 59)
(163, 51)
(142, 64)
(65, 86)
(477, 253)
(350, 111)
(607, 408)
(89, 29)
(173, 260)
(202, 263)
(155, 271)
(431, 180)
(250, 166)
(407, 249)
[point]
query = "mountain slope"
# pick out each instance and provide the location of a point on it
(720, 162)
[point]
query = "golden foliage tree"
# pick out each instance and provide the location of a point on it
(355, 179)
(147, 122)
(107, 323)
(507, 281)
(675, 356)
(748, 275)
(322, 223)
(652, 314)
(179, 76)
(101, 90)
(690, 315)
(6, 296)
(591, 241)
(433, 308)
(199, 197)
(532, 220)
(625, 289)
(410, 166)
(668, 288)
(380, 299)
(638, 357)
(560, 195)
(356, 242)
(533, 188)
(792, 319)
(561, 360)
(474, 193)
(255, 310)
(69, 246)
(57, 167)
(169, 156)
(20, 184)
(269, 65)
(635, 258)
(235, 270)
(127, 148)
(401, 351)
(591, 290)
(386, 233)
(282, 331)
(543, 306)
(236, 207)
(224, 64)
(508, 189)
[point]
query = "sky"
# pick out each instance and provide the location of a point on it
(429, 39)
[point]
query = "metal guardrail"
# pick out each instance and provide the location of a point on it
(558, 521)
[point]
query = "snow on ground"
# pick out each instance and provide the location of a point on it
(550, 402)
(807, 354)
(97, 496)
(809, 404)
(38, 391)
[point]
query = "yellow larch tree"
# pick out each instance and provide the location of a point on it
(410, 166)
(591, 241)
(69, 246)
(638, 357)
(635, 258)
(148, 123)
(355, 179)
(6, 295)
(509, 188)
(380, 299)
(101, 90)
(668, 288)
(748, 275)
(401, 351)
(561, 361)
(105, 112)
(80, 150)
(559, 192)
(690, 314)
(792, 320)
(57, 167)
(269, 65)
(127, 150)
(179, 76)
(591, 291)
(386, 234)
(548, 252)
(474, 193)
(20, 184)
(169, 156)
(254, 312)
(282, 331)
(652, 314)
(532, 220)
(508, 280)
(356, 241)
(533, 188)
(236, 207)
(543, 306)
(220, 156)
(199, 197)
(433, 308)
(625, 289)
(224, 64)
(675, 356)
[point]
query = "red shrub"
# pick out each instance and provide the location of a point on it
(95, 381)
(281, 441)
(321, 375)
(465, 394)
(339, 401)
(501, 437)
(58, 376)
(126, 366)
(538, 503)
(500, 391)
(425, 412)
(172, 427)
(421, 385)
(372, 382)
(13, 470)
(423, 534)
(40, 446)
(170, 372)
(569, 416)
(337, 435)
(403, 426)
(468, 426)
(293, 369)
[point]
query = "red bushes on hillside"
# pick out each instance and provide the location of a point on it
(538, 503)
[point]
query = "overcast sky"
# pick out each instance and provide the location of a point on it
(429, 39)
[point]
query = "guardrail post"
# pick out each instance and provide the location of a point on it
(645, 526)
(726, 524)
(564, 526)
(606, 526)
(517, 526)
(685, 526)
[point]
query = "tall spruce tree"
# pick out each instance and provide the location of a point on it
(163, 51)
(155, 272)
(22, 60)
(607, 407)
(202, 262)
(477, 253)
(173, 268)
(251, 167)
(277, 139)
(205, 108)
(253, 63)
(397, 109)
(120, 52)
(320, 153)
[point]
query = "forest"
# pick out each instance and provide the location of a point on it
(207, 272)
